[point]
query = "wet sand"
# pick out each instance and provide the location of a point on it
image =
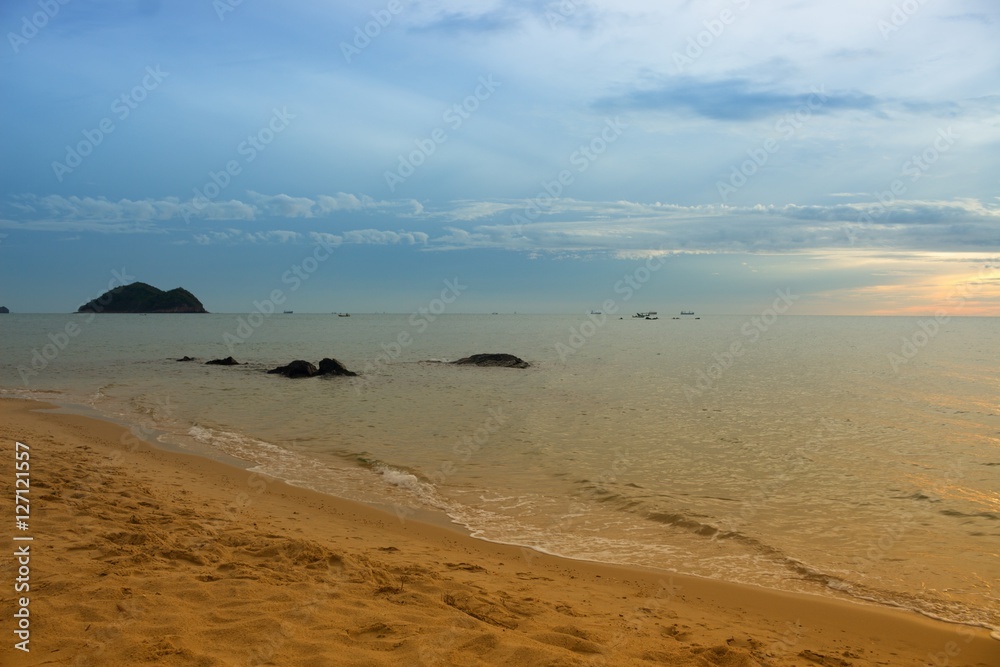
(144, 556)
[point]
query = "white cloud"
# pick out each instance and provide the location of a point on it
(631, 227)
(533, 225)
(325, 238)
(377, 237)
(57, 212)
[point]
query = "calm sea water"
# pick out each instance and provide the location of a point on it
(848, 457)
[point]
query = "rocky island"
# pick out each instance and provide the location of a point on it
(143, 298)
(4, 310)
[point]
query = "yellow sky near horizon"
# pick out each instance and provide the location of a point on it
(955, 284)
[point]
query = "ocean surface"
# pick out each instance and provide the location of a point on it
(853, 457)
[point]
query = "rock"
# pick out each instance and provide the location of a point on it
(187, 358)
(4, 309)
(296, 369)
(333, 367)
(228, 361)
(304, 369)
(142, 298)
(501, 360)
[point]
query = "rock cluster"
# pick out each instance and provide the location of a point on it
(304, 369)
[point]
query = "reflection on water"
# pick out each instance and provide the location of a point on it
(806, 462)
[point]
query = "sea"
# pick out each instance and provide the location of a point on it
(848, 457)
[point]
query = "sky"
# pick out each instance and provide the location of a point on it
(364, 156)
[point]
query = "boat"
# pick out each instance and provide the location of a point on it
(596, 312)
(687, 312)
(288, 312)
(651, 315)
(343, 314)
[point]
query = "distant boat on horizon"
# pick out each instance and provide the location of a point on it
(287, 312)
(687, 312)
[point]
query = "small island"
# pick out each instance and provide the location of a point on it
(143, 298)
(4, 310)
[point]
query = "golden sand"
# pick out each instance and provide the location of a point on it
(144, 556)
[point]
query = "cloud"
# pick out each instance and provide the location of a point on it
(56, 212)
(556, 226)
(94, 208)
(355, 237)
(282, 206)
(241, 236)
(325, 238)
(486, 18)
(474, 210)
(984, 19)
(734, 99)
(495, 20)
(629, 227)
(377, 237)
(342, 202)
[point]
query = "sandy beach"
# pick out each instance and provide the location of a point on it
(145, 556)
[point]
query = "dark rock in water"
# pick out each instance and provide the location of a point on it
(187, 358)
(502, 360)
(303, 369)
(296, 369)
(333, 367)
(4, 309)
(228, 361)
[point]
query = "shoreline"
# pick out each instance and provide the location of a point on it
(145, 555)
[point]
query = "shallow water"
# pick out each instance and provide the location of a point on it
(806, 462)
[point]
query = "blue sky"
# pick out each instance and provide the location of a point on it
(537, 151)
